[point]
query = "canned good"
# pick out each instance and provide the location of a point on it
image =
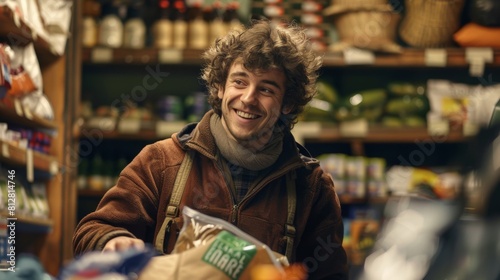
(170, 108)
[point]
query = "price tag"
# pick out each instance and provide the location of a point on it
(129, 125)
(358, 56)
(469, 128)
(101, 55)
(30, 172)
(3, 131)
(5, 150)
(302, 129)
(477, 58)
(170, 56)
(435, 57)
(102, 123)
(437, 126)
(355, 128)
(22, 143)
(165, 129)
(53, 167)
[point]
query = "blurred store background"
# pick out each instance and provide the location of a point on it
(404, 118)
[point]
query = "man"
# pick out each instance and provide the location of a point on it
(246, 162)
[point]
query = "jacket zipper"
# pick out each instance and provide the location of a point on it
(234, 213)
(236, 205)
(260, 186)
(234, 210)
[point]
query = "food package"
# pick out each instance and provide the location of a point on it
(459, 103)
(211, 248)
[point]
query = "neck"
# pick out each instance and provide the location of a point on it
(252, 155)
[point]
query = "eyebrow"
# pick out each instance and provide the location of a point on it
(245, 75)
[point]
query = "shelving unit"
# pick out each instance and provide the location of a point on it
(409, 57)
(101, 55)
(46, 238)
(20, 33)
(21, 157)
(323, 134)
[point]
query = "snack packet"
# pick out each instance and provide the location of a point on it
(211, 248)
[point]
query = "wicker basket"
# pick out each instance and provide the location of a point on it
(367, 29)
(430, 23)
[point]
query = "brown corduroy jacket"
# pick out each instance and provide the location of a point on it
(136, 205)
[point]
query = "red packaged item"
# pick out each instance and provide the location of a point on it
(21, 82)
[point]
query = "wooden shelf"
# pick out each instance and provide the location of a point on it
(30, 223)
(22, 118)
(154, 131)
(103, 55)
(381, 134)
(455, 57)
(13, 155)
(17, 32)
(324, 134)
(346, 199)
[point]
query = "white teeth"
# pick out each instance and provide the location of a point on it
(246, 115)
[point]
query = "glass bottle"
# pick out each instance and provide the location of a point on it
(217, 27)
(95, 178)
(231, 17)
(197, 27)
(89, 31)
(180, 25)
(163, 27)
(134, 31)
(110, 27)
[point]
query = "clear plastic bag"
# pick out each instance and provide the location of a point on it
(211, 248)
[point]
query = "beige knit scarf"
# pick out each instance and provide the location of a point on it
(242, 156)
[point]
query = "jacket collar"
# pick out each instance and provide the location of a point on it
(197, 136)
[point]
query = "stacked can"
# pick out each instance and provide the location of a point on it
(356, 176)
(36, 140)
(170, 108)
(376, 183)
(334, 164)
(196, 106)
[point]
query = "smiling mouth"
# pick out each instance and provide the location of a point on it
(246, 115)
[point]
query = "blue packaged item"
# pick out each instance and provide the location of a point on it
(101, 265)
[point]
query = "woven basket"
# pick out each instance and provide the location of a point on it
(373, 30)
(430, 23)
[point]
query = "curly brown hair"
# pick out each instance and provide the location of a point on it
(262, 46)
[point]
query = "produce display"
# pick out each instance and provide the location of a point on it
(399, 104)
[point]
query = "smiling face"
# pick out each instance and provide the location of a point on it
(251, 104)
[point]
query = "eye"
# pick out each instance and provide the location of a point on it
(267, 91)
(239, 83)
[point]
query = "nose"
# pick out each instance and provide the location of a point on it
(249, 97)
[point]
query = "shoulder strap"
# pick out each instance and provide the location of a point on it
(292, 204)
(172, 210)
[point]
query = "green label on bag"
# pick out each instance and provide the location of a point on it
(230, 254)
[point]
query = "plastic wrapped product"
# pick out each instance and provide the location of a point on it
(210, 248)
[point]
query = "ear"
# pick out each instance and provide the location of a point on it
(286, 109)
(220, 93)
